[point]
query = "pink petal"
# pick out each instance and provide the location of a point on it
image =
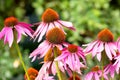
(2, 33)
(101, 47)
(25, 25)
(89, 76)
(19, 35)
(53, 68)
(10, 37)
(66, 24)
(95, 49)
(39, 29)
(20, 30)
(96, 76)
(62, 56)
(117, 67)
(59, 26)
(107, 50)
(43, 32)
(90, 47)
(50, 26)
(70, 62)
(113, 48)
(99, 56)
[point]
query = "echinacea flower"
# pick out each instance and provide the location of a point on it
(11, 24)
(50, 19)
(32, 73)
(54, 37)
(103, 43)
(117, 63)
(111, 68)
(95, 74)
(71, 58)
(49, 66)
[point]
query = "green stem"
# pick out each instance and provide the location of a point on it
(56, 62)
(73, 75)
(21, 59)
(102, 72)
(20, 55)
(103, 57)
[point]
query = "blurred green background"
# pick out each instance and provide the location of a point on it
(88, 17)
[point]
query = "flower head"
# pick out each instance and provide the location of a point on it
(11, 24)
(105, 35)
(11, 21)
(50, 19)
(55, 36)
(103, 43)
(32, 73)
(72, 48)
(71, 58)
(50, 15)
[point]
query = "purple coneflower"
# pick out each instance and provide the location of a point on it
(95, 74)
(103, 43)
(50, 19)
(71, 58)
(111, 68)
(11, 24)
(49, 67)
(54, 37)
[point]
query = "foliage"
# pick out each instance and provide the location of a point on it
(88, 17)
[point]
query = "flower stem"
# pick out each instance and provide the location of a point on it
(102, 65)
(73, 75)
(20, 55)
(56, 62)
(22, 62)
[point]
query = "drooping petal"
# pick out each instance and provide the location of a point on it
(96, 76)
(59, 26)
(70, 62)
(25, 25)
(67, 24)
(101, 47)
(20, 30)
(113, 48)
(95, 49)
(39, 31)
(43, 32)
(89, 76)
(99, 56)
(50, 26)
(19, 35)
(2, 33)
(107, 50)
(90, 47)
(62, 56)
(9, 36)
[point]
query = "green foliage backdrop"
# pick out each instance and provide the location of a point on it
(88, 17)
